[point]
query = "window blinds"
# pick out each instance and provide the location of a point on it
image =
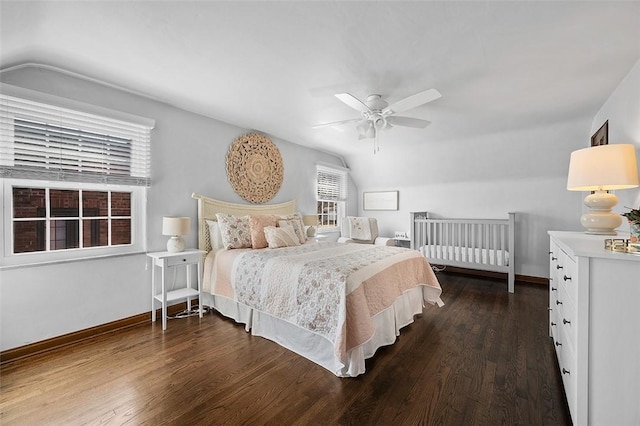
(46, 142)
(332, 183)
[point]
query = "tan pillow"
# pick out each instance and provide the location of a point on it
(295, 220)
(234, 231)
(283, 236)
(257, 224)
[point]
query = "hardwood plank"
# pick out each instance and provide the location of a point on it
(484, 358)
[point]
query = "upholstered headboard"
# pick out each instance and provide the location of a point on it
(208, 207)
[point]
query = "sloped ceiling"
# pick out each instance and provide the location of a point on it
(274, 66)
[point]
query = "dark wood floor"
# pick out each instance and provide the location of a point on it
(482, 359)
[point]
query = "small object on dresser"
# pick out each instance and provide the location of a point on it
(621, 245)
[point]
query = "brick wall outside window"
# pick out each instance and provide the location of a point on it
(65, 218)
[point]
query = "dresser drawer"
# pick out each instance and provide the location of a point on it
(566, 316)
(568, 370)
(565, 275)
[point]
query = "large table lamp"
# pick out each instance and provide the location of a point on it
(601, 169)
(175, 227)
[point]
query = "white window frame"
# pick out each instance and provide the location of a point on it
(138, 225)
(22, 103)
(338, 195)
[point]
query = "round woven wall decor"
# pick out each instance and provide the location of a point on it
(254, 167)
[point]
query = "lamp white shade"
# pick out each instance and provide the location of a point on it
(310, 219)
(602, 168)
(176, 227)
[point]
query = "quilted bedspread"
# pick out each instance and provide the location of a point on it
(331, 289)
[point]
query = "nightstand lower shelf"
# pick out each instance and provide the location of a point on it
(182, 293)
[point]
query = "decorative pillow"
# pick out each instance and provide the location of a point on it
(257, 224)
(215, 237)
(283, 236)
(234, 230)
(295, 220)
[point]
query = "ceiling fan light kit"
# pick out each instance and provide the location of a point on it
(377, 115)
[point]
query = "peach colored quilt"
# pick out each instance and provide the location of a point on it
(331, 289)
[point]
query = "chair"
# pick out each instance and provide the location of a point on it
(362, 230)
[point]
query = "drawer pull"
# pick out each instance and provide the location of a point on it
(553, 323)
(553, 289)
(565, 321)
(566, 278)
(554, 258)
(559, 267)
(565, 371)
(184, 260)
(558, 344)
(558, 302)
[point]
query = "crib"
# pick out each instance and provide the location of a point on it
(481, 244)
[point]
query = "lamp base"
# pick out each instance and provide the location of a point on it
(176, 244)
(311, 231)
(600, 220)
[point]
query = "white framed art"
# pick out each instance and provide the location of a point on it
(381, 200)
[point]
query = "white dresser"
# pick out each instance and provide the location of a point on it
(594, 319)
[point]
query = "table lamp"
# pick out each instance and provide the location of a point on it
(311, 221)
(600, 169)
(176, 227)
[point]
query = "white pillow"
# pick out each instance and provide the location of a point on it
(283, 236)
(214, 235)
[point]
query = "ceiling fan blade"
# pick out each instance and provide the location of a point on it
(412, 101)
(335, 123)
(353, 102)
(408, 122)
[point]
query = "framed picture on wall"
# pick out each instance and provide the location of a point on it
(383, 200)
(601, 137)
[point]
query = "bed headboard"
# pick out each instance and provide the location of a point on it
(208, 207)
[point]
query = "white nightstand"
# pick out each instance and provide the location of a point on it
(166, 260)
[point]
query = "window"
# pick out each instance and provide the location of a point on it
(331, 195)
(74, 181)
(48, 219)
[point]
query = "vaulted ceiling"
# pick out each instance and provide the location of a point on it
(274, 66)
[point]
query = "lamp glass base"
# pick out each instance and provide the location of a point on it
(176, 244)
(600, 220)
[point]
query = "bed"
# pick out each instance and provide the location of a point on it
(482, 244)
(334, 304)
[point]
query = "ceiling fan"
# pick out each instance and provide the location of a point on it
(377, 114)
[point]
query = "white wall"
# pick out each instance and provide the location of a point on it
(522, 170)
(188, 155)
(622, 109)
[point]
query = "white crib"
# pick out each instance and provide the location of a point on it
(483, 244)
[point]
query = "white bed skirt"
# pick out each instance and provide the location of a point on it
(315, 347)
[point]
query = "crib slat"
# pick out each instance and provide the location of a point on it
(503, 245)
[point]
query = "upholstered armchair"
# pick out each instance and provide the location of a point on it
(362, 230)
